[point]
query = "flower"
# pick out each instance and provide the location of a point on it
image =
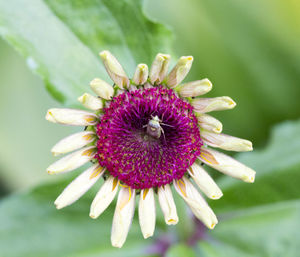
(144, 135)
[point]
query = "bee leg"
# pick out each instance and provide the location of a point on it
(163, 132)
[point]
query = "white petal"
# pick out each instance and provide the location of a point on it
(180, 71)
(195, 88)
(147, 212)
(141, 74)
(102, 88)
(167, 204)
(227, 165)
(226, 142)
(79, 186)
(206, 184)
(73, 142)
(159, 68)
(91, 102)
(73, 160)
(104, 197)
(204, 105)
(114, 69)
(196, 202)
(209, 123)
(123, 216)
(71, 117)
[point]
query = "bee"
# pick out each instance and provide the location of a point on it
(154, 128)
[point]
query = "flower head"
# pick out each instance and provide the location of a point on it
(143, 136)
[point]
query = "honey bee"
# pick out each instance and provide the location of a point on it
(154, 128)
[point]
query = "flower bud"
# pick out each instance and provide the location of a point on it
(204, 105)
(227, 165)
(195, 88)
(180, 71)
(123, 216)
(167, 204)
(102, 88)
(73, 142)
(209, 123)
(79, 186)
(71, 117)
(73, 161)
(147, 213)
(226, 142)
(141, 74)
(159, 68)
(196, 202)
(205, 183)
(114, 69)
(91, 102)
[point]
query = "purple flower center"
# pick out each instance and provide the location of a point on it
(135, 156)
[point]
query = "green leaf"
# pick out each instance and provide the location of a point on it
(268, 231)
(61, 39)
(31, 226)
(277, 168)
(180, 250)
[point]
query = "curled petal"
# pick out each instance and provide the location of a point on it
(123, 216)
(102, 88)
(206, 184)
(196, 202)
(114, 69)
(167, 204)
(227, 165)
(104, 197)
(73, 160)
(147, 213)
(226, 142)
(204, 105)
(195, 88)
(159, 68)
(141, 74)
(71, 117)
(179, 72)
(209, 123)
(79, 186)
(73, 142)
(91, 102)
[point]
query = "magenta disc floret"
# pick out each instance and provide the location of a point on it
(138, 159)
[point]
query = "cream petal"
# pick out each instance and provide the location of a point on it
(72, 161)
(195, 88)
(71, 117)
(226, 142)
(159, 68)
(73, 142)
(114, 69)
(204, 105)
(104, 197)
(196, 202)
(209, 123)
(102, 88)
(123, 216)
(141, 74)
(91, 102)
(227, 165)
(179, 72)
(147, 214)
(167, 204)
(79, 186)
(205, 183)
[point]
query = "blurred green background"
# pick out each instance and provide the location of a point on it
(250, 50)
